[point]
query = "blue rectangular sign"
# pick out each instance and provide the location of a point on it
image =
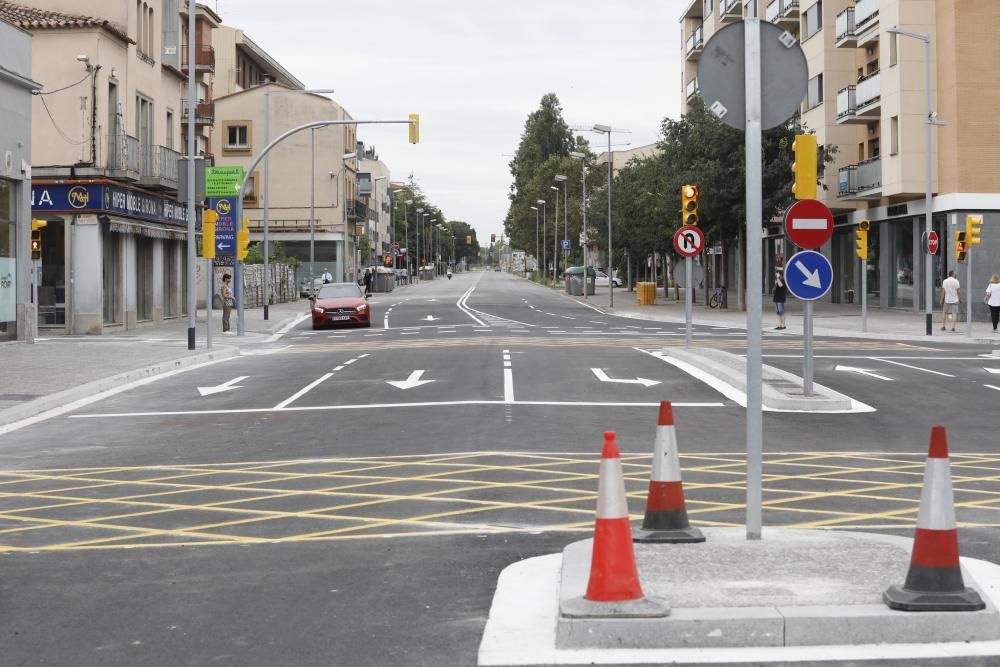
(565, 244)
(103, 198)
(225, 227)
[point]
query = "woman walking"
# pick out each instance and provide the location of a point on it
(227, 301)
(993, 299)
(780, 294)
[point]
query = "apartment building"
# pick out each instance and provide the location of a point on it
(865, 98)
(106, 137)
(318, 165)
(240, 63)
(374, 190)
(17, 314)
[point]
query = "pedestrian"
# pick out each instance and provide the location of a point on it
(228, 302)
(951, 296)
(780, 295)
(327, 277)
(993, 299)
(368, 282)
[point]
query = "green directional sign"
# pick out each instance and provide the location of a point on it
(223, 181)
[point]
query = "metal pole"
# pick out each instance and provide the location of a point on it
(611, 270)
(968, 292)
(864, 295)
(555, 243)
(267, 183)
(238, 294)
(754, 203)
(312, 209)
(583, 171)
(566, 224)
(536, 244)
(688, 300)
(928, 223)
(209, 293)
(192, 303)
(807, 357)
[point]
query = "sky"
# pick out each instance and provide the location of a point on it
(474, 70)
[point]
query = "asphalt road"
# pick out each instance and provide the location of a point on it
(351, 495)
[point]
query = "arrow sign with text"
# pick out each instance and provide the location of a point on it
(603, 377)
(689, 241)
(225, 226)
(410, 382)
(808, 275)
(219, 388)
(808, 223)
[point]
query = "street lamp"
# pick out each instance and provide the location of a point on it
(545, 263)
(561, 178)
(535, 209)
(583, 236)
(432, 224)
(267, 177)
(555, 239)
(420, 228)
(406, 232)
(378, 221)
(343, 170)
(420, 213)
(606, 129)
(929, 194)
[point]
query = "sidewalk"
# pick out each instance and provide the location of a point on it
(58, 369)
(829, 319)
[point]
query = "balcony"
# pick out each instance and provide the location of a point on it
(692, 88)
(123, 156)
(158, 168)
(204, 58)
(204, 113)
(730, 11)
(845, 35)
(695, 43)
(861, 103)
(860, 181)
(783, 12)
(357, 211)
(866, 20)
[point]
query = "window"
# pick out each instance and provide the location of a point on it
(750, 8)
(892, 49)
(170, 129)
(814, 92)
(894, 135)
(873, 148)
(708, 7)
(238, 136)
(250, 194)
(814, 19)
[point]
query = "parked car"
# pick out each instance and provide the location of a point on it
(602, 280)
(340, 304)
(496, 268)
(304, 286)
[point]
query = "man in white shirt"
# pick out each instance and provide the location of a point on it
(327, 277)
(951, 296)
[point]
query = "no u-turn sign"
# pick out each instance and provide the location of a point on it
(689, 241)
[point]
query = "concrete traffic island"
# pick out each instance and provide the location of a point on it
(797, 596)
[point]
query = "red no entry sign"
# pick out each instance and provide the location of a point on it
(933, 242)
(808, 224)
(689, 241)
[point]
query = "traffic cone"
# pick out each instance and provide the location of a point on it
(934, 581)
(613, 574)
(666, 517)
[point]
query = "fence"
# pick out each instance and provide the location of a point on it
(282, 279)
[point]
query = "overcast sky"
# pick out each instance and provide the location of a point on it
(473, 70)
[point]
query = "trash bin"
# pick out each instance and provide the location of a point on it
(575, 277)
(385, 281)
(426, 273)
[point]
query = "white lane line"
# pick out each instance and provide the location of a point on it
(409, 333)
(385, 320)
(338, 368)
(916, 368)
(550, 327)
(288, 327)
(596, 322)
(465, 309)
(508, 379)
(567, 317)
(302, 392)
(990, 386)
(483, 330)
(506, 364)
(336, 336)
(363, 355)
(349, 362)
(379, 406)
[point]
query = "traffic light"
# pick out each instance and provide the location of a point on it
(493, 238)
(961, 247)
(468, 239)
(36, 238)
(804, 166)
(861, 240)
(414, 128)
(243, 239)
(973, 228)
(208, 220)
(689, 205)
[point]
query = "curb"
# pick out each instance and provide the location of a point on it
(66, 396)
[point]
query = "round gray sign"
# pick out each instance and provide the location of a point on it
(722, 75)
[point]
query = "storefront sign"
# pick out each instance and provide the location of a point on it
(103, 198)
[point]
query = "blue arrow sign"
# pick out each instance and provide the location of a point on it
(225, 227)
(808, 275)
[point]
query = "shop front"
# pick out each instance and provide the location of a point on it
(8, 262)
(123, 251)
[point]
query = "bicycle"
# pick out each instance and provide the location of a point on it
(718, 299)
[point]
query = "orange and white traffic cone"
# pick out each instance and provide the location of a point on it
(934, 581)
(613, 574)
(666, 517)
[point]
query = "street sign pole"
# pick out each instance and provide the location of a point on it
(754, 203)
(807, 343)
(864, 295)
(968, 292)
(210, 290)
(688, 300)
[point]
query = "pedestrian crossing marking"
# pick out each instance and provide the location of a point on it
(123, 507)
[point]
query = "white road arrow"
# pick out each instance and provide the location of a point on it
(603, 377)
(994, 371)
(429, 318)
(219, 388)
(812, 277)
(410, 382)
(862, 371)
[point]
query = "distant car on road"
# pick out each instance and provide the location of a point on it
(340, 304)
(496, 268)
(602, 279)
